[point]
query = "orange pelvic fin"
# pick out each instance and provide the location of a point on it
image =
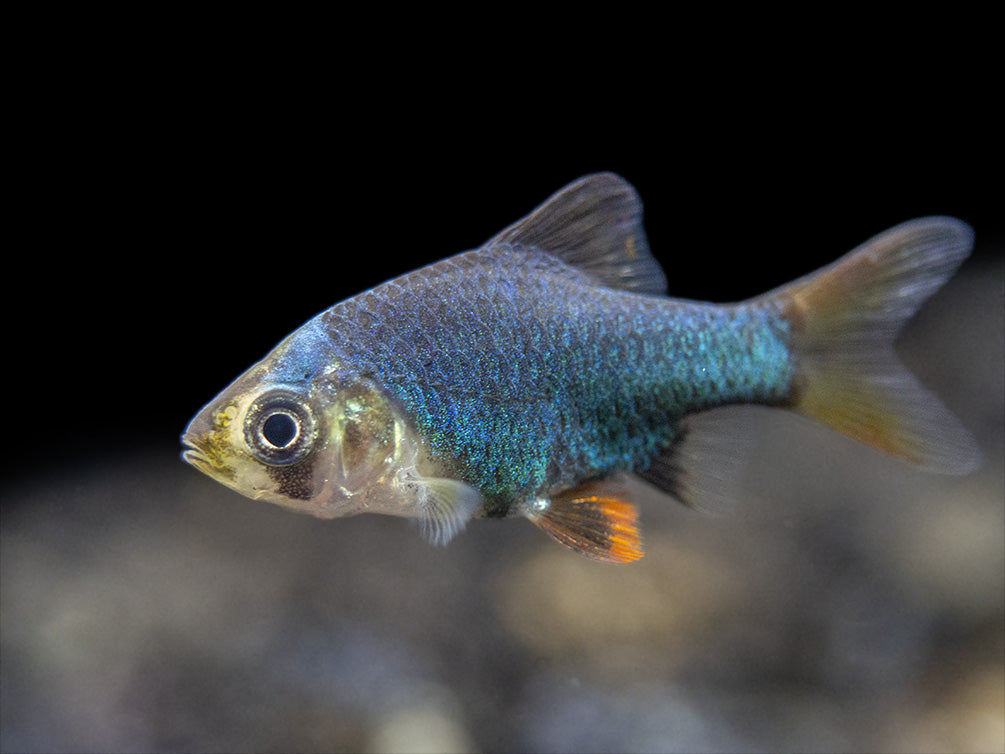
(593, 521)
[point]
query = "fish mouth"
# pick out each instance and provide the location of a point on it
(201, 453)
(198, 449)
(193, 454)
(195, 439)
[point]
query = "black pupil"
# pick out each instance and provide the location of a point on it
(279, 430)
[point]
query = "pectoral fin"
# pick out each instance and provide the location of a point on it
(592, 521)
(445, 507)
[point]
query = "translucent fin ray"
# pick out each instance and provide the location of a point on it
(592, 522)
(845, 319)
(446, 507)
(704, 467)
(595, 225)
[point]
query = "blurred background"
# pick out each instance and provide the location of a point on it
(184, 206)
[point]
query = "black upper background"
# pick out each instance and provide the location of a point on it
(184, 210)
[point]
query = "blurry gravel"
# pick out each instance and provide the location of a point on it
(850, 603)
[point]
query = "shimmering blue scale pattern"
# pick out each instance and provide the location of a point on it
(522, 374)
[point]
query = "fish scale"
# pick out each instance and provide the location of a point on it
(509, 408)
(521, 378)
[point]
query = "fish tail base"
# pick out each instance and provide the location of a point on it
(844, 321)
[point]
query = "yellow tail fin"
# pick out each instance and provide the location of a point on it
(845, 319)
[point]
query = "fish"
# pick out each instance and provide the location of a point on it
(527, 377)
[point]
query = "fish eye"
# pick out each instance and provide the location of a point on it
(279, 428)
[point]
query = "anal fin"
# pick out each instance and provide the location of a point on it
(593, 522)
(705, 466)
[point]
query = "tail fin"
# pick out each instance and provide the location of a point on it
(845, 319)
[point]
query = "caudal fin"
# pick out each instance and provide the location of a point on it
(844, 321)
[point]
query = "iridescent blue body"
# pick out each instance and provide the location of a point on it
(524, 374)
(519, 377)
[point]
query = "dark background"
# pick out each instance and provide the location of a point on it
(187, 191)
(181, 219)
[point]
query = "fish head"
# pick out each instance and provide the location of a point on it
(331, 448)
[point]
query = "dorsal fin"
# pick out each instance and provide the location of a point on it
(594, 225)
